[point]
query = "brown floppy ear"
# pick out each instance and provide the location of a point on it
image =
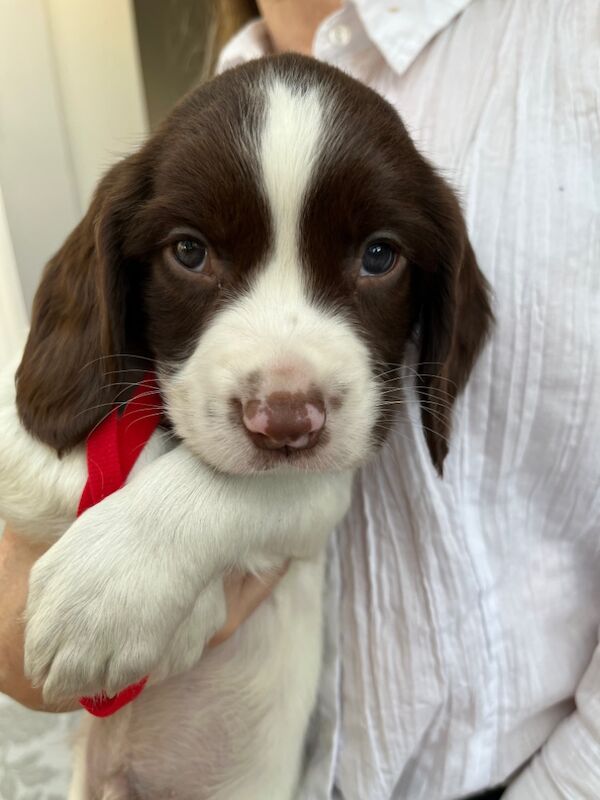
(66, 381)
(455, 320)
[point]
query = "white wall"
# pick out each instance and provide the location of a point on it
(71, 102)
(97, 65)
(13, 318)
(36, 173)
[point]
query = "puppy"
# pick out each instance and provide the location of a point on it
(269, 252)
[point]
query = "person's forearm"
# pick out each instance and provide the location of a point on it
(17, 556)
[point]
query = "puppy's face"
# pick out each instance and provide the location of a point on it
(272, 258)
(271, 249)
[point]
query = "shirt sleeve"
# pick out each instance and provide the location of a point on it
(568, 766)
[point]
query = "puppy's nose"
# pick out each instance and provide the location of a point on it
(285, 419)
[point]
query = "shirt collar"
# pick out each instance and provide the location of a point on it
(251, 41)
(400, 30)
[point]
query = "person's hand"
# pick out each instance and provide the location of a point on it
(244, 593)
(17, 556)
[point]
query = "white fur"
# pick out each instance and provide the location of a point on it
(134, 586)
(38, 492)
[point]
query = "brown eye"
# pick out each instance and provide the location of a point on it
(191, 254)
(378, 258)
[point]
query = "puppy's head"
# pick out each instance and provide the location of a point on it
(270, 250)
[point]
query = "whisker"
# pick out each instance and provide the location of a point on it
(397, 386)
(417, 364)
(437, 414)
(441, 395)
(168, 434)
(155, 389)
(423, 404)
(422, 393)
(139, 419)
(131, 384)
(153, 361)
(416, 371)
(113, 404)
(395, 429)
(100, 421)
(419, 374)
(420, 377)
(128, 369)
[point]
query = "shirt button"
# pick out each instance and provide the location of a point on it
(340, 35)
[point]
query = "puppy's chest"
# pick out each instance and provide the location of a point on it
(299, 511)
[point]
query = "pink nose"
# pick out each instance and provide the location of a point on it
(284, 419)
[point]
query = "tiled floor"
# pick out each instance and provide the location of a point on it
(34, 753)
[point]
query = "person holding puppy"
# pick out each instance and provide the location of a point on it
(462, 651)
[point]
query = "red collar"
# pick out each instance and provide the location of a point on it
(112, 449)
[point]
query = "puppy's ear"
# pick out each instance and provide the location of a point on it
(67, 379)
(455, 320)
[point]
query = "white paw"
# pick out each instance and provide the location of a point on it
(101, 611)
(185, 649)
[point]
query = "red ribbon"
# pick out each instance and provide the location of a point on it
(113, 448)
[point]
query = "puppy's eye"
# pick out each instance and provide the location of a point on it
(378, 258)
(191, 254)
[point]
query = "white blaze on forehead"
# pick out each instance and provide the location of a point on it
(289, 148)
(274, 336)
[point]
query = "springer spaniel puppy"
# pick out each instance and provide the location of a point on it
(270, 251)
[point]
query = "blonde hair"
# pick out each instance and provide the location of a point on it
(228, 16)
(179, 43)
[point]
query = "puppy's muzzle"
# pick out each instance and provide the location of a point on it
(285, 419)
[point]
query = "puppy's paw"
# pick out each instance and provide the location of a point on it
(82, 636)
(186, 647)
(100, 613)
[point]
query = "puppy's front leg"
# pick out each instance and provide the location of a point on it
(109, 596)
(185, 649)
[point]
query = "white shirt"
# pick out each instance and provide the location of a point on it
(463, 613)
